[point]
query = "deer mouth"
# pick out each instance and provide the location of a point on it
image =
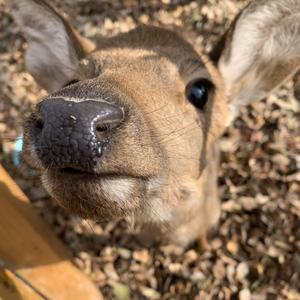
(70, 173)
(74, 171)
(73, 174)
(90, 195)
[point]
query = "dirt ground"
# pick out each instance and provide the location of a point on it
(255, 253)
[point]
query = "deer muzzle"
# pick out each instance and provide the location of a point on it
(73, 136)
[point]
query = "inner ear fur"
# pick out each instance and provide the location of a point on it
(259, 51)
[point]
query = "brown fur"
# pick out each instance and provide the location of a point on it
(161, 169)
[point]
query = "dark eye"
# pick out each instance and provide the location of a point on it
(198, 92)
(73, 81)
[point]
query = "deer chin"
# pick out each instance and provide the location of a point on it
(95, 196)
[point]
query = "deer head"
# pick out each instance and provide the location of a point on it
(130, 126)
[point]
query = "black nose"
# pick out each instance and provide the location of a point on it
(73, 135)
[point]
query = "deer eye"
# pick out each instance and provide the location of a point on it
(197, 92)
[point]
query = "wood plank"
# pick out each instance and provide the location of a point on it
(29, 247)
(13, 289)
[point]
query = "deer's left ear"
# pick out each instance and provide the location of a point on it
(54, 47)
(260, 51)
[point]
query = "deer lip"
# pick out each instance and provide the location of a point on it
(73, 171)
(83, 174)
(76, 174)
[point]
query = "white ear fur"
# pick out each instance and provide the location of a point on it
(262, 50)
(51, 56)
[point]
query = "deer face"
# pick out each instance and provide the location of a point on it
(131, 122)
(129, 126)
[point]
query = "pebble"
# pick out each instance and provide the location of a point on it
(141, 256)
(197, 276)
(219, 270)
(232, 247)
(124, 253)
(248, 203)
(190, 257)
(149, 293)
(175, 267)
(110, 271)
(245, 295)
(242, 271)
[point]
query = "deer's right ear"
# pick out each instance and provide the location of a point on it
(54, 47)
(260, 51)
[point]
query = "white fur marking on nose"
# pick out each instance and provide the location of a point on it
(77, 100)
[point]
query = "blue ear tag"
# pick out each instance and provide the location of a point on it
(16, 155)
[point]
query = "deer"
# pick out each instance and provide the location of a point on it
(131, 124)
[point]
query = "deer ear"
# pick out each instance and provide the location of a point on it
(260, 51)
(54, 47)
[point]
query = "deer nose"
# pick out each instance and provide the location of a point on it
(69, 134)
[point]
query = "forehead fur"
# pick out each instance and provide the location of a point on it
(149, 44)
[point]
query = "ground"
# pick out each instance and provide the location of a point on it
(255, 253)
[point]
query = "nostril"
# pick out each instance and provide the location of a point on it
(39, 124)
(104, 130)
(109, 119)
(100, 128)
